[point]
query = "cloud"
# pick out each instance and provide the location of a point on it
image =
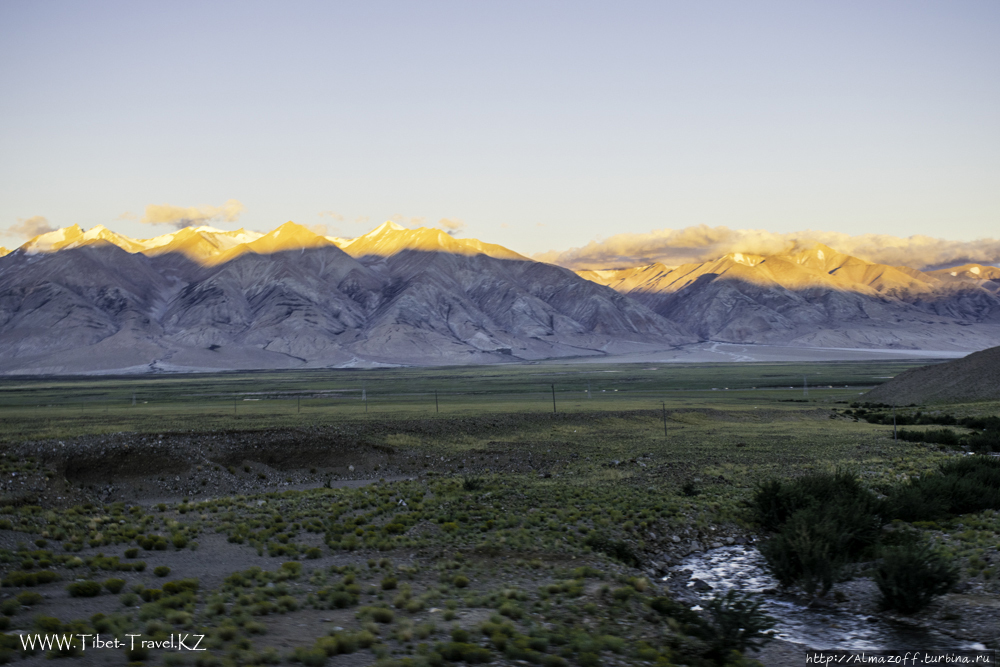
(180, 216)
(451, 226)
(702, 243)
(322, 230)
(333, 215)
(361, 219)
(29, 228)
(127, 215)
(412, 223)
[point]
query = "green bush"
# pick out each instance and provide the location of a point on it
(114, 586)
(938, 436)
(821, 522)
(910, 575)
(161, 570)
(738, 623)
(775, 501)
(310, 657)
(970, 484)
(29, 598)
(617, 549)
(382, 615)
(84, 589)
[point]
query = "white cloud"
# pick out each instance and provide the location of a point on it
(29, 228)
(181, 216)
(451, 226)
(127, 215)
(333, 215)
(703, 243)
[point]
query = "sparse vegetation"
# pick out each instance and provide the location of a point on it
(483, 533)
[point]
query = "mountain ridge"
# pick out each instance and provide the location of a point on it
(206, 298)
(293, 298)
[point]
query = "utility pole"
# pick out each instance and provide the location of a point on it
(664, 404)
(553, 399)
(437, 406)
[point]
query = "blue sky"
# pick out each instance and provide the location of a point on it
(539, 125)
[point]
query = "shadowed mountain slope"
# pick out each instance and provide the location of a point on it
(972, 378)
(292, 298)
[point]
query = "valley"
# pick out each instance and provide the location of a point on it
(415, 515)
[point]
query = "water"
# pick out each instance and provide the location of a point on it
(745, 570)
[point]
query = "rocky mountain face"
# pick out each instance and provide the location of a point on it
(202, 298)
(74, 301)
(819, 297)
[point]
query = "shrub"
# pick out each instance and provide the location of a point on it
(909, 576)
(382, 615)
(29, 598)
(970, 484)
(939, 436)
(84, 589)
(161, 570)
(775, 501)
(389, 583)
(738, 623)
(310, 657)
(114, 586)
(617, 549)
(821, 522)
(460, 581)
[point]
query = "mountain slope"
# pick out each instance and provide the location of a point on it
(815, 297)
(199, 298)
(972, 378)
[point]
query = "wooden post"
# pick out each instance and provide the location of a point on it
(553, 399)
(437, 407)
(664, 404)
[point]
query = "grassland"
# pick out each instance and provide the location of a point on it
(32, 408)
(484, 528)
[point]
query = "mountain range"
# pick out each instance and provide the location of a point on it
(820, 297)
(200, 298)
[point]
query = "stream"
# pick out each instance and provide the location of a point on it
(744, 569)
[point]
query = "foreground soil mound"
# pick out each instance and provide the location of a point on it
(972, 378)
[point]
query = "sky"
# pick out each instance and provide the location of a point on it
(542, 126)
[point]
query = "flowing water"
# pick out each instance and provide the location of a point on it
(744, 569)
